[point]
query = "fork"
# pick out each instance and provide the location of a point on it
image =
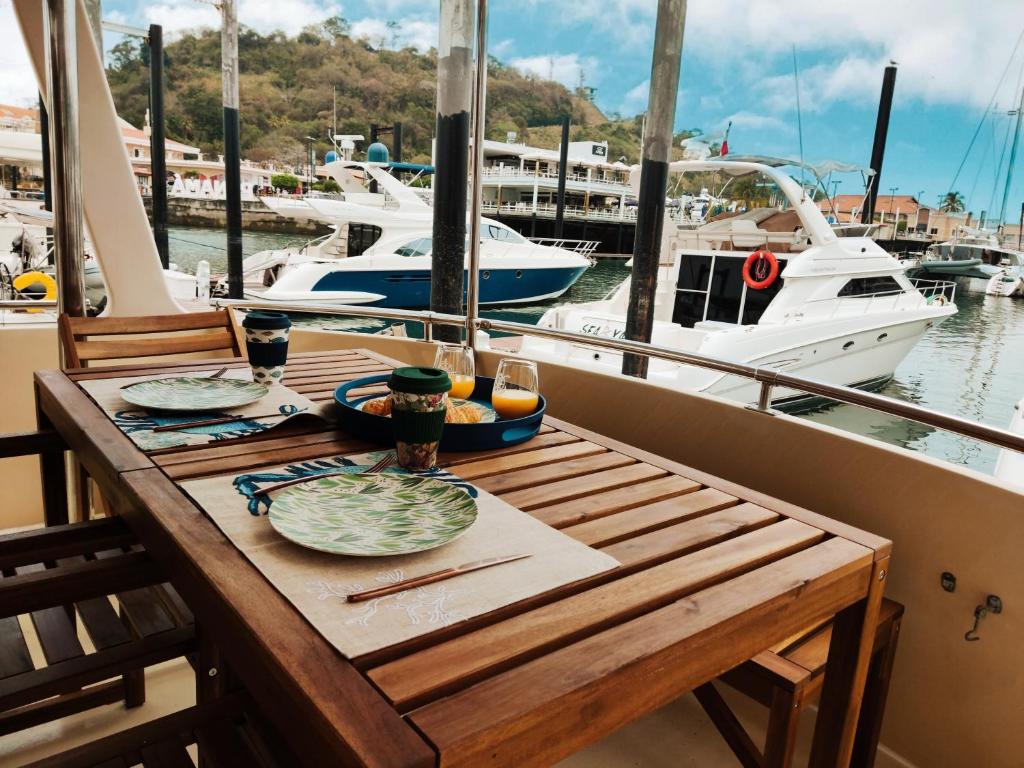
(380, 466)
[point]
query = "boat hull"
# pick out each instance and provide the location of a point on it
(411, 288)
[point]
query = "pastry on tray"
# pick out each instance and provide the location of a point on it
(458, 411)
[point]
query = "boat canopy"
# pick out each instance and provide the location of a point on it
(820, 169)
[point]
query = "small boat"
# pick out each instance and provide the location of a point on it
(970, 253)
(837, 309)
(1008, 282)
(382, 245)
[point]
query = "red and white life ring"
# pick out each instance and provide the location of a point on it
(760, 270)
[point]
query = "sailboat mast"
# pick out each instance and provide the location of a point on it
(1013, 158)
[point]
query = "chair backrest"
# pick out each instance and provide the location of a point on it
(88, 339)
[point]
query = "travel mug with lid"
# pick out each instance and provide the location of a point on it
(419, 398)
(266, 343)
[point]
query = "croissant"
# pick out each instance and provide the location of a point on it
(463, 413)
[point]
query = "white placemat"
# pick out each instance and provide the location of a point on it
(317, 583)
(138, 423)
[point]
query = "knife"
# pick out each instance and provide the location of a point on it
(430, 578)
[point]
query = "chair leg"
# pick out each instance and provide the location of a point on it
(876, 690)
(736, 737)
(783, 718)
(134, 680)
(81, 509)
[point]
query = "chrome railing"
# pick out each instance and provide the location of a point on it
(768, 378)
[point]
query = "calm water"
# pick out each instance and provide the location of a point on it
(972, 365)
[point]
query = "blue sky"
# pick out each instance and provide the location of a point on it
(737, 64)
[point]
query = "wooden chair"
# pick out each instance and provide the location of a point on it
(90, 339)
(787, 678)
(55, 577)
(87, 340)
(227, 732)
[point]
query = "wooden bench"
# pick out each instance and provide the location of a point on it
(787, 678)
(225, 731)
(54, 578)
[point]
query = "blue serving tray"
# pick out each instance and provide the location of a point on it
(456, 437)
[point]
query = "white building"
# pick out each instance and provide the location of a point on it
(519, 180)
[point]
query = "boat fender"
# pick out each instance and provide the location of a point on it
(760, 269)
(35, 286)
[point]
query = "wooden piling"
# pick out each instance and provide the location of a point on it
(451, 157)
(661, 109)
(232, 145)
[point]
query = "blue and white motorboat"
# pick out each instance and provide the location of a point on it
(381, 246)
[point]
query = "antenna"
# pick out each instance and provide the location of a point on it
(799, 124)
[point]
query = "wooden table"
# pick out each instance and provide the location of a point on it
(711, 574)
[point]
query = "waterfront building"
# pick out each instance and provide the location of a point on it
(522, 181)
(896, 213)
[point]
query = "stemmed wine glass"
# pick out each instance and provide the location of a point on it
(515, 388)
(457, 361)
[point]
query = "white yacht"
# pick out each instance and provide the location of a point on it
(380, 252)
(838, 309)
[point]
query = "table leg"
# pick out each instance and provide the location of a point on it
(849, 656)
(53, 472)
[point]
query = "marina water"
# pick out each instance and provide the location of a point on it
(970, 366)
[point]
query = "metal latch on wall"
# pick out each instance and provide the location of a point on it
(993, 604)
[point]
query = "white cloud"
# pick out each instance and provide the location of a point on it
(288, 16)
(949, 51)
(635, 100)
(419, 33)
(564, 68)
(17, 78)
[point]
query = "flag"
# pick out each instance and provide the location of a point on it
(725, 141)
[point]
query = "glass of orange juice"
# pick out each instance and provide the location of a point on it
(457, 360)
(515, 388)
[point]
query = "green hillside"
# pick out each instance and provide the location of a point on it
(287, 86)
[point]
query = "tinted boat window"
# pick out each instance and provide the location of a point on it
(361, 237)
(419, 247)
(865, 286)
(726, 292)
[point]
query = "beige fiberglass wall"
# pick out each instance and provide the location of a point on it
(952, 702)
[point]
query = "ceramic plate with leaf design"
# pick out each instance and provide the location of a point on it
(194, 393)
(372, 515)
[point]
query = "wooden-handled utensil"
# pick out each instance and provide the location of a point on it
(430, 578)
(212, 422)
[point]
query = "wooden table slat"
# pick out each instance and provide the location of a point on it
(649, 517)
(575, 488)
(615, 499)
(412, 680)
(517, 480)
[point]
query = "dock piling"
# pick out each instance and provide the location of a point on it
(232, 145)
(878, 147)
(65, 154)
(454, 95)
(157, 142)
(661, 109)
(563, 163)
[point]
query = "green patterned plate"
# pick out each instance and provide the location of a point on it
(194, 393)
(372, 515)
